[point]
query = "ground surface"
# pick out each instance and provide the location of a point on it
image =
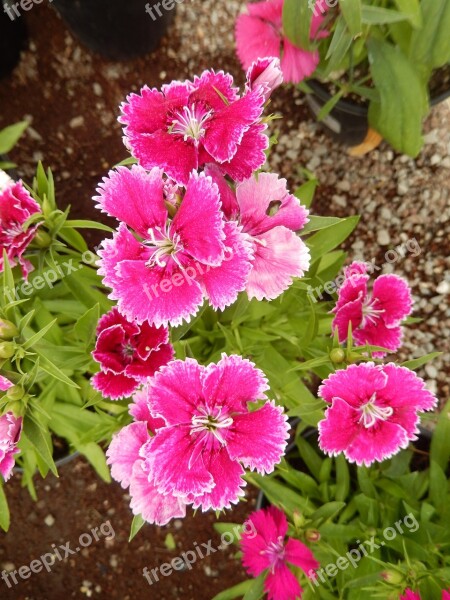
(70, 97)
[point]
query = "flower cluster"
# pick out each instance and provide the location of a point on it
(16, 206)
(195, 431)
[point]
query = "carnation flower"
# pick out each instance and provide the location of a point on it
(266, 74)
(410, 595)
(5, 384)
(268, 213)
(129, 468)
(128, 354)
(187, 125)
(373, 412)
(10, 430)
(161, 270)
(210, 433)
(375, 317)
(259, 33)
(16, 206)
(269, 549)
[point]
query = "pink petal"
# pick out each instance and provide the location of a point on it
(139, 409)
(265, 73)
(262, 528)
(168, 457)
(211, 87)
(141, 369)
(405, 388)
(124, 449)
(280, 255)
(145, 112)
(123, 246)
(352, 312)
(223, 283)
(134, 197)
(7, 464)
(230, 206)
(250, 155)
(114, 386)
(228, 482)
(176, 390)
(255, 39)
(353, 288)
(258, 439)
(5, 384)
(393, 295)
(281, 584)
(149, 503)
(410, 595)
(108, 349)
(297, 64)
(300, 555)
(355, 385)
(269, 10)
(199, 221)
(376, 334)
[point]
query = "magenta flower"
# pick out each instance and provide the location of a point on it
(376, 316)
(190, 124)
(10, 430)
(128, 354)
(373, 412)
(161, 270)
(129, 468)
(259, 33)
(266, 74)
(5, 384)
(16, 206)
(410, 595)
(269, 549)
(210, 433)
(267, 212)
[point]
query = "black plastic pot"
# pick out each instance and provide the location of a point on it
(348, 122)
(13, 38)
(117, 29)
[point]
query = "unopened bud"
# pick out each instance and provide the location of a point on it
(17, 408)
(299, 520)
(394, 577)
(42, 239)
(7, 349)
(312, 535)
(15, 393)
(337, 356)
(7, 330)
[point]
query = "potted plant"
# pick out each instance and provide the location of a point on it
(118, 30)
(371, 69)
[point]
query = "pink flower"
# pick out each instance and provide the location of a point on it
(5, 384)
(373, 412)
(268, 549)
(266, 74)
(10, 430)
(410, 595)
(162, 271)
(187, 125)
(376, 316)
(259, 33)
(128, 354)
(210, 433)
(16, 206)
(267, 212)
(129, 469)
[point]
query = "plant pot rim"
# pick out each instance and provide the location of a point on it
(59, 463)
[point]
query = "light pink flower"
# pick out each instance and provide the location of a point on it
(5, 384)
(373, 412)
(266, 211)
(270, 550)
(187, 125)
(128, 354)
(266, 74)
(210, 434)
(161, 270)
(129, 469)
(375, 316)
(10, 430)
(259, 33)
(16, 206)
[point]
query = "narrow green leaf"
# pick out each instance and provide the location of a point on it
(376, 15)
(237, 591)
(297, 19)
(9, 136)
(430, 45)
(31, 341)
(85, 224)
(40, 441)
(305, 193)
(351, 9)
(416, 363)
(136, 525)
(4, 509)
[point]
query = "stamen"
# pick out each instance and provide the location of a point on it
(212, 424)
(371, 413)
(190, 123)
(165, 246)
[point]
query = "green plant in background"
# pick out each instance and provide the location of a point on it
(8, 139)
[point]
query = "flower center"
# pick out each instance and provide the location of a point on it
(127, 351)
(12, 230)
(211, 423)
(190, 122)
(371, 413)
(275, 552)
(165, 246)
(370, 313)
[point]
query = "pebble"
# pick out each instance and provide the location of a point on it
(76, 122)
(49, 520)
(443, 287)
(383, 237)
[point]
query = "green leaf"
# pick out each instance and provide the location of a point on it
(305, 193)
(328, 106)
(10, 135)
(416, 363)
(440, 442)
(329, 238)
(31, 341)
(411, 7)
(40, 441)
(233, 529)
(342, 478)
(237, 591)
(136, 525)
(339, 46)
(375, 15)
(4, 509)
(316, 223)
(86, 326)
(84, 224)
(430, 45)
(351, 9)
(96, 457)
(50, 368)
(256, 590)
(297, 19)
(395, 116)
(327, 512)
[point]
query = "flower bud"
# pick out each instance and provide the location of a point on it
(42, 239)
(7, 330)
(15, 393)
(299, 520)
(394, 577)
(312, 535)
(266, 74)
(337, 356)
(16, 408)
(7, 349)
